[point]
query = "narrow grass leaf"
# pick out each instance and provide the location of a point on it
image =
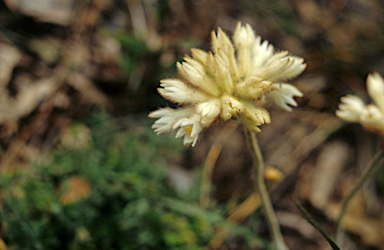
(313, 223)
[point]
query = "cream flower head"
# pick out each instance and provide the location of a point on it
(353, 109)
(232, 81)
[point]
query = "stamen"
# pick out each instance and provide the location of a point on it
(188, 129)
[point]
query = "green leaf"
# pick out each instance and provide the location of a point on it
(313, 223)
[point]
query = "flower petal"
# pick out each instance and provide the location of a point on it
(230, 107)
(168, 117)
(177, 91)
(186, 119)
(190, 128)
(373, 116)
(294, 69)
(351, 108)
(253, 88)
(199, 55)
(283, 93)
(209, 111)
(195, 74)
(256, 115)
(221, 44)
(274, 68)
(375, 87)
(244, 39)
(260, 53)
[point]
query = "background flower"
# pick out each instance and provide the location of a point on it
(353, 109)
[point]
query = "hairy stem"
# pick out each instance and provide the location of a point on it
(263, 192)
(373, 166)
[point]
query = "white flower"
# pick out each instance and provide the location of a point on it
(185, 119)
(373, 118)
(228, 83)
(353, 109)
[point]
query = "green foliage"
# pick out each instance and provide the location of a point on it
(126, 201)
(133, 49)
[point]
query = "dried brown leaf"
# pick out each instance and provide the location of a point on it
(74, 189)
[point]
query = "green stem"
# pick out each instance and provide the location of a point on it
(263, 192)
(370, 170)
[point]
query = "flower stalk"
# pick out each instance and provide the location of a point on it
(258, 169)
(374, 165)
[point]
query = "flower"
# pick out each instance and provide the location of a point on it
(232, 81)
(353, 109)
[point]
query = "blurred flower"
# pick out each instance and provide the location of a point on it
(353, 109)
(234, 80)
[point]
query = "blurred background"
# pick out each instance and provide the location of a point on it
(81, 167)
